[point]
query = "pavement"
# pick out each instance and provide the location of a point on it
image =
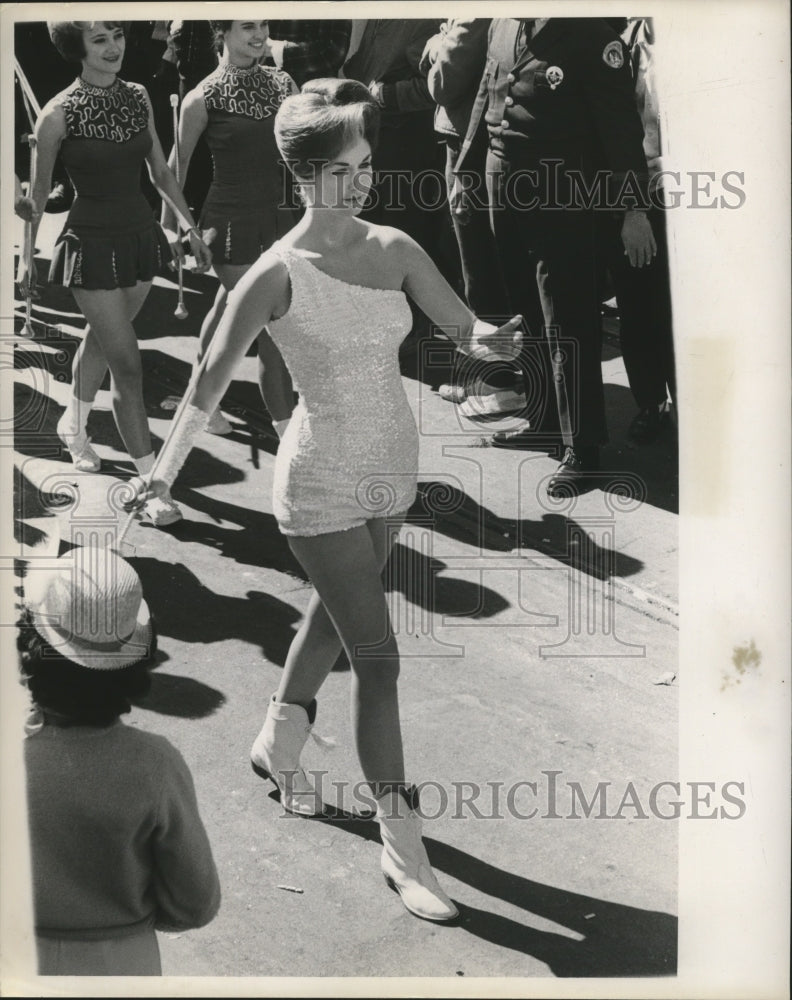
(538, 642)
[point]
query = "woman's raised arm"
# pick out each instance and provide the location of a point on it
(261, 294)
(424, 283)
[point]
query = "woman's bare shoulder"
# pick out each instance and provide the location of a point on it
(51, 122)
(389, 239)
(396, 249)
(268, 282)
(55, 105)
(195, 99)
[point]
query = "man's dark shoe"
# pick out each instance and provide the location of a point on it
(60, 198)
(576, 473)
(529, 438)
(648, 424)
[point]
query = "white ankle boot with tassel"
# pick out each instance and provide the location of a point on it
(276, 751)
(405, 863)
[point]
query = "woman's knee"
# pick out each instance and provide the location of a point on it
(319, 624)
(376, 663)
(127, 374)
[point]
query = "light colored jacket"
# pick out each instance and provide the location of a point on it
(639, 39)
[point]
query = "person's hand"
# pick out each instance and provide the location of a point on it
(176, 243)
(176, 248)
(25, 208)
(200, 250)
(375, 89)
(432, 49)
(141, 492)
(27, 279)
(502, 343)
(459, 202)
(638, 239)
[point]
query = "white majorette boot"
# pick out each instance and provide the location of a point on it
(83, 457)
(276, 751)
(405, 863)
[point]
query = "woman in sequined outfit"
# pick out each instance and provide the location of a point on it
(246, 207)
(111, 246)
(334, 295)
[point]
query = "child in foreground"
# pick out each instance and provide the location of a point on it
(118, 848)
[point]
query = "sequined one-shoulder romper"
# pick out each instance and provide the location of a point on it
(350, 452)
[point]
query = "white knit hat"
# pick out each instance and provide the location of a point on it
(90, 608)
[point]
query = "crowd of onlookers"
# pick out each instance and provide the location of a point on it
(469, 108)
(523, 156)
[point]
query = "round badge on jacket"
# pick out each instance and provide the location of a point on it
(555, 75)
(612, 55)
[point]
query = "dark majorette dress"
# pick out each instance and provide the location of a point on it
(111, 239)
(248, 201)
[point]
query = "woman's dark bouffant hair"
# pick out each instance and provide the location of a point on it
(67, 36)
(312, 127)
(84, 696)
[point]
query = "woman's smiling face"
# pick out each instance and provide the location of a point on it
(244, 41)
(104, 47)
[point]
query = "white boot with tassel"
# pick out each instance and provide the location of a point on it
(276, 751)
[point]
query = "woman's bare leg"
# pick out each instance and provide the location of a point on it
(316, 647)
(109, 314)
(346, 570)
(90, 365)
(228, 275)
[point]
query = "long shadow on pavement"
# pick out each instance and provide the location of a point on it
(463, 519)
(612, 939)
(617, 940)
(182, 697)
(187, 610)
(259, 543)
(35, 435)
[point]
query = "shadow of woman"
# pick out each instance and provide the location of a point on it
(615, 939)
(458, 516)
(191, 612)
(182, 697)
(256, 542)
(409, 572)
(607, 939)
(417, 577)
